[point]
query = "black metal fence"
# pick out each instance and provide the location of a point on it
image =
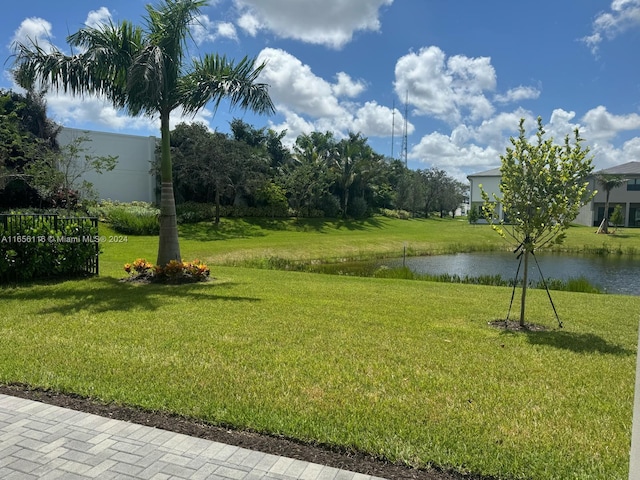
(45, 245)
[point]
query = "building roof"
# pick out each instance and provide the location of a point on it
(629, 168)
(494, 172)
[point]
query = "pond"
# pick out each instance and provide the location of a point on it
(612, 274)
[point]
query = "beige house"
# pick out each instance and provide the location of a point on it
(627, 195)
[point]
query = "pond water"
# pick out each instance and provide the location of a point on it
(612, 274)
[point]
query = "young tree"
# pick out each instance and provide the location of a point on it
(617, 217)
(145, 71)
(608, 182)
(543, 187)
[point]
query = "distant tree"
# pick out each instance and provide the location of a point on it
(306, 178)
(474, 215)
(346, 163)
(543, 187)
(451, 196)
(411, 192)
(608, 182)
(617, 217)
(266, 142)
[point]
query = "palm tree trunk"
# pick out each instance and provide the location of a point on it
(168, 245)
(525, 280)
(345, 202)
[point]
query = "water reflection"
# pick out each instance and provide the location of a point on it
(613, 274)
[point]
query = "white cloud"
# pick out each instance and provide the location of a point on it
(33, 30)
(330, 22)
(602, 125)
(205, 30)
(309, 102)
(448, 89)
(517, 94)
(346, 87)
(374, 120)
(95, 18)
(249, 23)
(624, 15)
(443, 152)
(293, 84)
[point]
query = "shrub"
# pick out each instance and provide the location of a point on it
(329, 205)
(193, 212)
(474, 215)
(43, 246)
(358, 208)
(135, 218)
(400, 214)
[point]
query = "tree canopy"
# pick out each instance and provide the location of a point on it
(543, 187)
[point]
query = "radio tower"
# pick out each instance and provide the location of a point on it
(393, 126)
(404, 152)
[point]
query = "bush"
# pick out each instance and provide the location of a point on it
(329, 206)
(135, 218)
(400, 214)
(474, 215)
(193, 212)
(43, 246)
(358, 208)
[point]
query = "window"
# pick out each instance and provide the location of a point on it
(633, 184)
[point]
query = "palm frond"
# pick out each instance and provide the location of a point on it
(214, 78)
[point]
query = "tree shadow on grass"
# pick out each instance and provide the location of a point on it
(106, 294)
(250, 227)
(206, 232)
(576, 342)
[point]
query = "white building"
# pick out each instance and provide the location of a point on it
(132, 178)
(592, 214)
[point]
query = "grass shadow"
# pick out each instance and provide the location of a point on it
(365, 224)
(252, 227)
(107, 294)
(576, 342)
(208, 231)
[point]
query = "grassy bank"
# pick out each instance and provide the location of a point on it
(409, 371)
(263, 242)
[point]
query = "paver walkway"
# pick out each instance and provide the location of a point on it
(40, 441)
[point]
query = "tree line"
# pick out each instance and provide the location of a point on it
(320, 175)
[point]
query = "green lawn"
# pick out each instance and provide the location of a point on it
(401, 369)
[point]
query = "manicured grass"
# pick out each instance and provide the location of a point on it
(261, 241)
(405, 370)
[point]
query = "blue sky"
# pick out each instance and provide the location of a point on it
(469, 69)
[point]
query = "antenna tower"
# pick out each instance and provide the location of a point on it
(404, 152)
(393, 126)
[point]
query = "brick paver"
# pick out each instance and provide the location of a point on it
(41, 442)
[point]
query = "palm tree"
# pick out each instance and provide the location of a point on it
(143, 71)
(608, 182)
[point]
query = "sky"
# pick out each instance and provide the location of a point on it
(455, 75)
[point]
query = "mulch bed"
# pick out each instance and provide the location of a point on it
(322, 454)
